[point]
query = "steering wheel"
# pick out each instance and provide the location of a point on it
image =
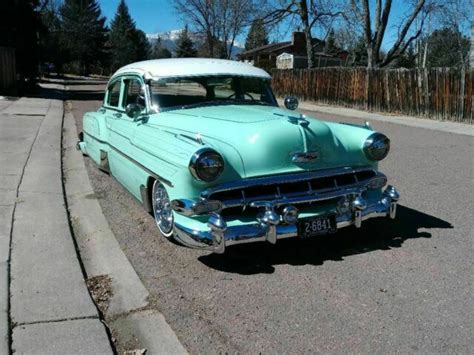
(244, 94)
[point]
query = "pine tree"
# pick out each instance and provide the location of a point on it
(358, 53)
(407, 59)
(159, 51)
(127, 44)
(447, 47)
(83, 32)
(257, 35)
(143, 47)
(330, 45)
(52, 53)
(20, 25)
(184, 45)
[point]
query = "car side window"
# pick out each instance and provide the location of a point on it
(133, 93)
(113, 96)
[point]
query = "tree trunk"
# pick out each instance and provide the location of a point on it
(309, 48)
(303, 11)
(370, 57)
(425, 54)
(210, 44)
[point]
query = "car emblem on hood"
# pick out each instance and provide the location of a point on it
(304, 157)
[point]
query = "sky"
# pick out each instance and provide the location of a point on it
(153, 16)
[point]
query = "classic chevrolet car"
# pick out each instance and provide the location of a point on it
(204, 146)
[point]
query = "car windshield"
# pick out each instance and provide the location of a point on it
(188, 92)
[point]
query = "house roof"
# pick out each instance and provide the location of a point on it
(273, 47)
(268, 48)
(173, 67)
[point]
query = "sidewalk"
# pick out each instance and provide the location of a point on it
(45, 306)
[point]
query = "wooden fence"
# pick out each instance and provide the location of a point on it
(7, 71)
(441, 94)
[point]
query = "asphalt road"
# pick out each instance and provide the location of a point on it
(392, 286)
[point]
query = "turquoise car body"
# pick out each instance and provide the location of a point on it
(255, 142)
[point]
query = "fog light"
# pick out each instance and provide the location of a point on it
(290, 214)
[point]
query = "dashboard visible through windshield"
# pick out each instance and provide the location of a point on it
(188, 92)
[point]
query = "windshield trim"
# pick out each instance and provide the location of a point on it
(217, 103)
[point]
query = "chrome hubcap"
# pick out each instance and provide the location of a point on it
(162, 210)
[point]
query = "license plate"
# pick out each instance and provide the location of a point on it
(309, 227)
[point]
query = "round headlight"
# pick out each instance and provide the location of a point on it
(206, 165)
(377, 146)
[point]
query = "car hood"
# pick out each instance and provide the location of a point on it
(261, 140)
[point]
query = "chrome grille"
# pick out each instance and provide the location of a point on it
(243, 193)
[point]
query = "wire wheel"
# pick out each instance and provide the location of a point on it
(162, 210)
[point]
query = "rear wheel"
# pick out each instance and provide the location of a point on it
(162, 210)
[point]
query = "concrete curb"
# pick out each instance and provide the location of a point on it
(101, 255)
(443, 126)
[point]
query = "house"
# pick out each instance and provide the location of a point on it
(293, 61)
(291, 54)
(8, 74)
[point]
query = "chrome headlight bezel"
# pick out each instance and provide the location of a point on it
(376, 146)
(206, 158)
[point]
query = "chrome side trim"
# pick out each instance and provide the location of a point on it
(196, 139)
(154, 175)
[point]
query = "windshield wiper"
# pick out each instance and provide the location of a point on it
(205, 103)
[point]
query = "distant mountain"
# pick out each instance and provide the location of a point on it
(169, 39)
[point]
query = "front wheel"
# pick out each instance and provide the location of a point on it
(162, 210)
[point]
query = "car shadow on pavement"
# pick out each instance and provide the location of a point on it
(375, 234)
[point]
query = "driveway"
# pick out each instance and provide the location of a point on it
(392, 286)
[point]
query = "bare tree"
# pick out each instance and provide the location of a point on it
(219, 21)
(310, 13)
(374, 28)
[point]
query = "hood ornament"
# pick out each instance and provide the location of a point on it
(304, 157)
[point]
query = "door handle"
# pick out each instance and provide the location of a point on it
(118, 115)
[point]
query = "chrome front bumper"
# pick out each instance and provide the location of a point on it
(271, 226)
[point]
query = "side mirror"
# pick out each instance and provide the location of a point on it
(291, 103)
(133, 110)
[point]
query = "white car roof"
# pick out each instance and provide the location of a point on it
(177, 67)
